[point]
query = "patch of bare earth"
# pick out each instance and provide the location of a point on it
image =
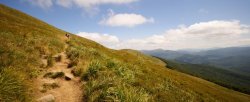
(68, 90)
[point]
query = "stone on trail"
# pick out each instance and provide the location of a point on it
(68, 77)
(47, 98)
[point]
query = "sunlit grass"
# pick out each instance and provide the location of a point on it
(23, 41)
(12, 87)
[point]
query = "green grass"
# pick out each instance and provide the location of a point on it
(93, 68)
(107, 72)
(78, 71)
(23, 40)
(110, 87)
(12, 87)
(107, 79)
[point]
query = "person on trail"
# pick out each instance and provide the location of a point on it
(67, 35)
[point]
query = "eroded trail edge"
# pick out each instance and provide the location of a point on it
(57, 83)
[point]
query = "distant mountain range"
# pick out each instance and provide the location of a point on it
(236, 59)
(227, 67)
(226, 78)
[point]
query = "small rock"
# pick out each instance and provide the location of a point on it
(47, 98)
(67, 78)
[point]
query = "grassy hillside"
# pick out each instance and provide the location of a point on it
(23, 39)
(108, 75)
(219, 76)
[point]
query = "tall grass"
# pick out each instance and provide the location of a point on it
(12, 86)
(109, 87)
(107, 79)
(110, 78)
(92, 71)
(78, 71)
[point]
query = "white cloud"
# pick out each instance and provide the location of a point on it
(105, 39)
(45, 4)
(88, 5)
(64, 3)
(125, 20)
(200, 35)
(93, 3)
(217, 33)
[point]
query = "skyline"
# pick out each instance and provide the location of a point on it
(147, 24)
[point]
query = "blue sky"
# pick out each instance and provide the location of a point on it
(160, 16)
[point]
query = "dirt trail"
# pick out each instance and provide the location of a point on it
(68, 90)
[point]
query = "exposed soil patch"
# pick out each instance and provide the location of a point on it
(68, 87)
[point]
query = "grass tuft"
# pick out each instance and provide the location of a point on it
(54, 75)
(12, 86)
(92, 71)
(78, 71)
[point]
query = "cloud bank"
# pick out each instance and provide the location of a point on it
(125, 20)
(105, 39)
(88, 5)
(211, 34)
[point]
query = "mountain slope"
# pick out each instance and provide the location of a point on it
(217, 75)
(236, 59)
(106, 74)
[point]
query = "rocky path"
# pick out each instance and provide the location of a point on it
(60, 89)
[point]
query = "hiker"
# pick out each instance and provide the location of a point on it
(67, 35)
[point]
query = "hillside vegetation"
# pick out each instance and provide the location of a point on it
(235, 59)
(219, 76)
(106, 74)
